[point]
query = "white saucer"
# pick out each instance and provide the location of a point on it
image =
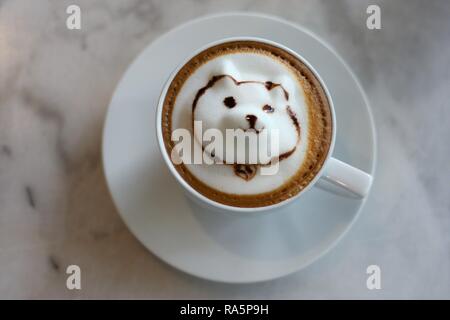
(221, 247)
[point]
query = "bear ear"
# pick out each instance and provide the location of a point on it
(287, 86)
(227, 67)
(225, 83)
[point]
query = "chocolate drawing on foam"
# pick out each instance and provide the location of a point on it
(248, 171)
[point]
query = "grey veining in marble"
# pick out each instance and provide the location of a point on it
(55, 209)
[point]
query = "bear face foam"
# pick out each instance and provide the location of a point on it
(253, 108)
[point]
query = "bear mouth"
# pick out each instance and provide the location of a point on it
(253, 130)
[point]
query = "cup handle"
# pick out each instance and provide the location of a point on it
(351, 179)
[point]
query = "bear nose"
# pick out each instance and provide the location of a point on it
(251, 120)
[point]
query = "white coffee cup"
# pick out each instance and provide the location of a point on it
(353, 181)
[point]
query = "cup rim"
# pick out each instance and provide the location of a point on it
(193, 192)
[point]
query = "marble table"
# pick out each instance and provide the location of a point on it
(55, 210)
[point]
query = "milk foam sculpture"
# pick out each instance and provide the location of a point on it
(252, 105)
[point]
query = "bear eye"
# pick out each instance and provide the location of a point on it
(229, 102)
(268, 109)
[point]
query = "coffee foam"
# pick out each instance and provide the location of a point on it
(254, 75)
(253, 106)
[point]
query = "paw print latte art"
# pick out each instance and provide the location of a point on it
(260, 93)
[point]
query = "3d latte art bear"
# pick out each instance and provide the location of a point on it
(256, 107)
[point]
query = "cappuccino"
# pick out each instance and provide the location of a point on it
(255, 89)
